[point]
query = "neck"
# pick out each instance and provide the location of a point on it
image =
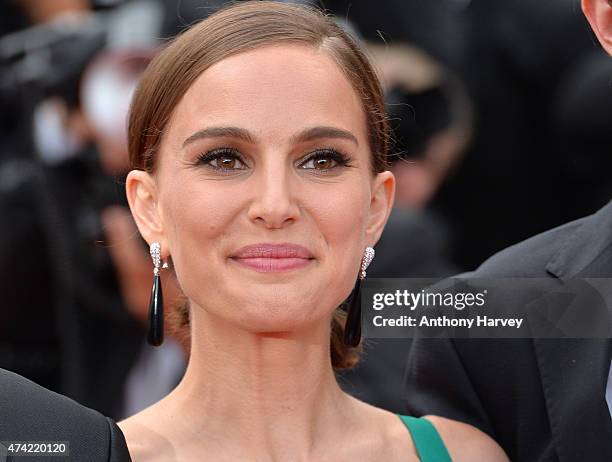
(273, 394)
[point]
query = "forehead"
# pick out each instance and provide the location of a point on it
(272, 91)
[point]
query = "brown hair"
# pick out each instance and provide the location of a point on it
(235, 29)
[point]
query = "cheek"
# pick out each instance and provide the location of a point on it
(341, 222)
(340, 215)
(196, 217)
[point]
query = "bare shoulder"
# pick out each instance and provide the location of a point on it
(136, 437)
(467, 443)
(144, 442)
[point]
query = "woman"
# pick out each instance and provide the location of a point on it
(259, 144)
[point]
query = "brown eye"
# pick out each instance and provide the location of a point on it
(226, 162)
(224, 159)
(323, 164)
(324, 160)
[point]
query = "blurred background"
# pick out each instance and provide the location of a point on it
(501, 112)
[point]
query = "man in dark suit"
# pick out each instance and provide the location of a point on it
(541, 399)
(31, 413)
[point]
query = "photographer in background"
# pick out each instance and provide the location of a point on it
(66, 323)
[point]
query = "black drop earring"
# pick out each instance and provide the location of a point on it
(155, 325)
(352, 328)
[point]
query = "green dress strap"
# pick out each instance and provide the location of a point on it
(427, 441)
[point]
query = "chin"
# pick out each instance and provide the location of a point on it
(276, 314)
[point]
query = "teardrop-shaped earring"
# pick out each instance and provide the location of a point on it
(155, 325)
(352, 328)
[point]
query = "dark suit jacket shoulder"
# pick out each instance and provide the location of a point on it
(541, 399)
(529, 258)
(578, 248)
(33, 413)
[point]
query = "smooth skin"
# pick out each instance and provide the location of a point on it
(259, 385)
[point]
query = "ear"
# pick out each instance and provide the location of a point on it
(599, 14)
(383, 193)
(141, 193)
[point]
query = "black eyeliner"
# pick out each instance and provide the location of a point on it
(217, 153)
(342, 159)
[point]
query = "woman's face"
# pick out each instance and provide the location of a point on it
(263, 192)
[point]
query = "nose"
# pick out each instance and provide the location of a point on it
(274, 203)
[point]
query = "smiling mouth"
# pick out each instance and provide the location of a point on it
(269, 258)
(272, 265)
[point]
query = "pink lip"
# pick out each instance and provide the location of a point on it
(266, 258)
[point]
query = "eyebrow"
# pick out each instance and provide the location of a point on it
(220, 132)
(240, 133)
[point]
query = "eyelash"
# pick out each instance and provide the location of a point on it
(206, 157)
(341, 159)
